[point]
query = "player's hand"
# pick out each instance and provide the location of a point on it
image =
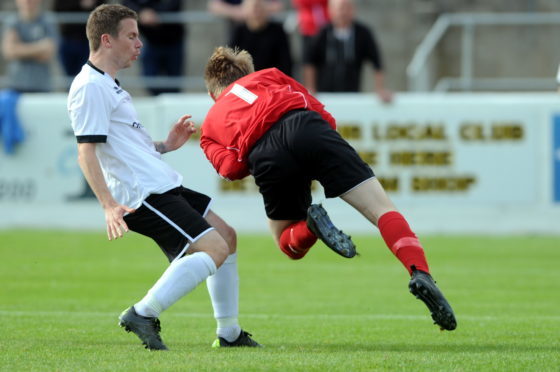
(116, 226)
(181, 131)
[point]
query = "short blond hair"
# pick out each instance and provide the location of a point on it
(105, 19)
(225, 66)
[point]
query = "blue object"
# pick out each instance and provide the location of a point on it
(11, 131)
(556, 157)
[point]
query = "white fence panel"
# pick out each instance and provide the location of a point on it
(453, 163)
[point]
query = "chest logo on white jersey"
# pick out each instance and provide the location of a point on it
(118, 89)
(136, 125)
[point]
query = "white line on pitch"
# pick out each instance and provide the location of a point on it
(28, 313)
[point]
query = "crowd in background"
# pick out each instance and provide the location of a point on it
(334, 47)
(331, 40)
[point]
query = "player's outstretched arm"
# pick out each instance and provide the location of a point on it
(224, 159)
(181, 131)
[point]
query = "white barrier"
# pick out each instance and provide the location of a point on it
(454, 163)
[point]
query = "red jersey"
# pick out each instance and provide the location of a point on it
(244, 111)
(312, 15)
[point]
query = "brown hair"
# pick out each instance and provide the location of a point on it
(105, 19)
(225, 66)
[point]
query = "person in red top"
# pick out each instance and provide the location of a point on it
(267, 124)
(312, 16)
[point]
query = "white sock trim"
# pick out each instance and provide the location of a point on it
(232, 258)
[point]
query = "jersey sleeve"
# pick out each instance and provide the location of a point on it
(224, 160)
(90, 112)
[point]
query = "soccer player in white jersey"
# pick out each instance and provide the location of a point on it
(140, 192)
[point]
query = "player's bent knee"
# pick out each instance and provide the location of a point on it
(214, 245)
(221, 251)
(230, 236)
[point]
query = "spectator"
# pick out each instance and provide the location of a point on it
(233, 11)
(230, 9)
(338, 52)
(28, 46)
(312, 16)
(164, 43)
(263, 38)
(73, 48)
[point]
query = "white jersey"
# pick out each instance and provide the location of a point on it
(102, 112)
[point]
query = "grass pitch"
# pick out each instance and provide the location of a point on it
(61, 294)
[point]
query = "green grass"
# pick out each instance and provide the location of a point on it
(61, 293)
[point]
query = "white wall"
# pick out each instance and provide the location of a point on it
(455, 163)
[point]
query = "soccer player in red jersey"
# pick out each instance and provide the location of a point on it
(267, 124)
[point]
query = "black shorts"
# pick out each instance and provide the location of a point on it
(172, 219)
(299, 148)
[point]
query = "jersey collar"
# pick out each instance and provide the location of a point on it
(101, 71)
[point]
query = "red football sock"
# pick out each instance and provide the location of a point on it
(402, 241)
(296, 240)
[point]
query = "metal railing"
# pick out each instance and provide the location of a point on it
(61, 82)
(420, 74)
(188, 82)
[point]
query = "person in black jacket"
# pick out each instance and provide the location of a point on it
(164, 51)
(73, 48)
(233, 11)
(263, 38)
(339, 51)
